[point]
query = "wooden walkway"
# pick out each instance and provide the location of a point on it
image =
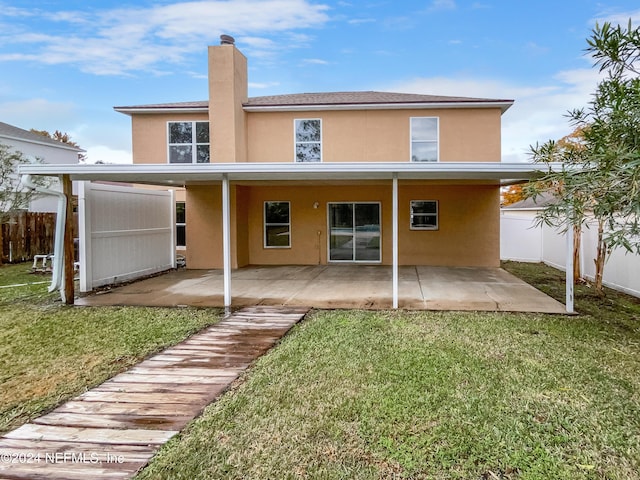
(113, 430)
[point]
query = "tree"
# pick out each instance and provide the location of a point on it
(13, 195)
(61, 137)
(513, 194)
(601, 172)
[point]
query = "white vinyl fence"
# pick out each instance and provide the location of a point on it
(125, 233)
(521, 241)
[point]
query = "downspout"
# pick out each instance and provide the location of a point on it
(58, 249)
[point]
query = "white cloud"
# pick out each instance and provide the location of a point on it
(538, 113)
(621, 18)
(443, 5)
(126, 40)
(360, 21)
(314, 61)
(260, 86)
(106, 154)
(51, 115)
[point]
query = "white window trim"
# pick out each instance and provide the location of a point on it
(329, 232)
(295, 141)
(194, 144)
(264, 224)
(425, 229)
(437, 140)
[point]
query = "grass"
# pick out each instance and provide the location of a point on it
(437, 395)
(50, 352)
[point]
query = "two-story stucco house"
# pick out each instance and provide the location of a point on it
(313, 179)
(441, 221)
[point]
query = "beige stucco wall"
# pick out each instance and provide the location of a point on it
(468, 234)
(466, 135)
(228, 87)
(149, 134)
(204, 227)
(469, 226)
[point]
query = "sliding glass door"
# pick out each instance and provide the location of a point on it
(354, 232)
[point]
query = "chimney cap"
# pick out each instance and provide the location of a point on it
(227, 40)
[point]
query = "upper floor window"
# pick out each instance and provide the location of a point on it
(424, 139)
(188, 142)
(308, 140)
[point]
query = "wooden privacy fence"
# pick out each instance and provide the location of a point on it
(26, 234)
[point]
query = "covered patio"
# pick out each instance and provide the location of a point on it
(330, 285)
(336, 286)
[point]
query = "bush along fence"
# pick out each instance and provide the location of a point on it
(26, 234)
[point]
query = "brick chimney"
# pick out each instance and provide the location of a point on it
(228, 90)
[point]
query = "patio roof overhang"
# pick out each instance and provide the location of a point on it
(193, 174)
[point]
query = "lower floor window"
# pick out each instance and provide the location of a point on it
(181, 226)
(277, 225)
(424, 214)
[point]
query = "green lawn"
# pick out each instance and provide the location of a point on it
(443, 395)
(354, 394)
(50, 352)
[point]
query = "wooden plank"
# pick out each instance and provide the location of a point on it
(162, 357)
(118, 421)
(63, 471)
(276, 321)
(51, 451)
(202, 359)
(159, 377)
(188, 398)
(216, 373)
(141, 387)
(131, 408)
(247, 337)
(134, 452)
(95, 435)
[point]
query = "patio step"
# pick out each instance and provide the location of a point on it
(113, 430)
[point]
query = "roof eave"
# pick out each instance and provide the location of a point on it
(503, 106)
(160, 110)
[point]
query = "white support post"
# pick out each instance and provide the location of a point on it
(226, 243)
(84, 232)
(569, 271)
(172, 216)
(394, 240)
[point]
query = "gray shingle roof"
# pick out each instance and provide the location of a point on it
(328, 99)
(360, 98)
(11, 132)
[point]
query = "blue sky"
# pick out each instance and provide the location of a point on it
(65, 64)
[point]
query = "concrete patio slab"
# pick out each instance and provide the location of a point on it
(337, 286)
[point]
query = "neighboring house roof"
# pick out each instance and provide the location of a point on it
(332, 101)
(14, 133)
(537, 203)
